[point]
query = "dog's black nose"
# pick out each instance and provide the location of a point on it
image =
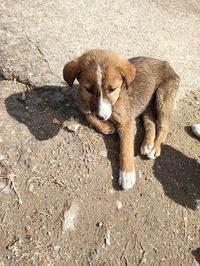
(100, 117)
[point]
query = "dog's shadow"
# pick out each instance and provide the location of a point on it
(37, 109)
(196, 254)
(179, 176)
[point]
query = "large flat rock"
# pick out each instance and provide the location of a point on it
(58, 31)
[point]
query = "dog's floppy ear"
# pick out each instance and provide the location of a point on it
(128, 72)
(71, 71)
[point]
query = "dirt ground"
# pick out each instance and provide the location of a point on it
(59, 199)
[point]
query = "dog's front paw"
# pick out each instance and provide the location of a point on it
(155, 152)
(108, 128)
(127, 179)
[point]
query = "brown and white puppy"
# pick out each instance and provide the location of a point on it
(113, 91)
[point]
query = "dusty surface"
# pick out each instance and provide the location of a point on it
(59, 199)
(46, 170)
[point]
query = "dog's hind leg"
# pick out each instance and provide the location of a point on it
(165, 97)
(150, 130)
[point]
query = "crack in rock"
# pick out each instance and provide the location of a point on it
(23, 60)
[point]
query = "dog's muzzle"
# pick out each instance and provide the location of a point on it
(104, 109)
(101, 117)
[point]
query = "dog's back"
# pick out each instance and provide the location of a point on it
(150, 74)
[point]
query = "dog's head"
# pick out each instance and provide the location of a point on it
(101, 75)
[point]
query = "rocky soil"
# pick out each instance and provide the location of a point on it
(59, 199)
(60, 203)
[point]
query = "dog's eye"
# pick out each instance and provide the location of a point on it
(111, 89)
(89, 89)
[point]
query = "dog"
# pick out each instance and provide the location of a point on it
(113, 91)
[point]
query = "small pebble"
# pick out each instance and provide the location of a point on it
(190, 238)
(56, 121)
(73, 128)
(111, 191)
(100, 224)
(97, 251)
(196, 129)
(1, 157)
(119, 204)
(56, 248)
(34, 168)
(29, 237)
(103, 153)
(95, 254)
(31, 187)
(1, 123)
(23, 96)
(107, 238)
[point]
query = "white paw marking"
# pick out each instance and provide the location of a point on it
(196, 129)
(127, 179)
(152, 154)
(146, 149)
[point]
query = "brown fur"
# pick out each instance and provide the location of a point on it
(142, 85)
